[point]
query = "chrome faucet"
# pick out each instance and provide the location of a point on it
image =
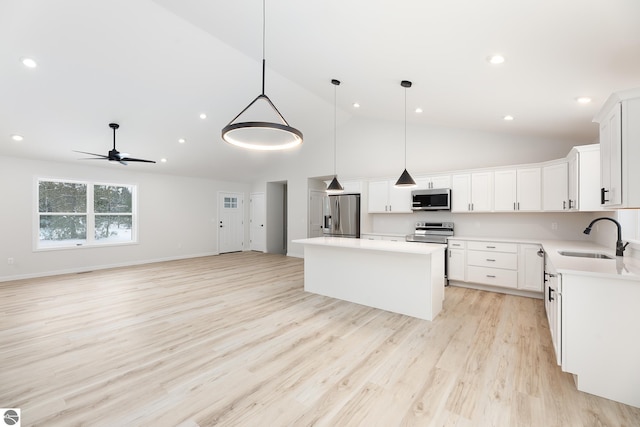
(620, 246)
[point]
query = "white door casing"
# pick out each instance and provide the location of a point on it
(230, 222)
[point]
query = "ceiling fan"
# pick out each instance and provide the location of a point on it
(114, 155)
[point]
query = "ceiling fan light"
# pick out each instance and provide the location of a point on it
(405, 180)
(335, 186)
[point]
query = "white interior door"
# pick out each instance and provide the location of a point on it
(230, 222)
(258, 217)
(316, 213)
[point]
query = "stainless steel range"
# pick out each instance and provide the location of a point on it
(431, 232)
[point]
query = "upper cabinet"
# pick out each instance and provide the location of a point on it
(472, 192)
(555, 187)
(619, 121)
(436, 181)
(385, 197)
(517, 190)
(584, 178)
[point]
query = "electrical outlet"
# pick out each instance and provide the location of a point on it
(10, 261)
(554, 225)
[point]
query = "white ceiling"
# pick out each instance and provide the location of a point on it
(154, 66)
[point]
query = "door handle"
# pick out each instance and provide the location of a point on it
(602, 199)
(551, 290)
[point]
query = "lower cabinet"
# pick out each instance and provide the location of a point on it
(456, 260)
(501, 264)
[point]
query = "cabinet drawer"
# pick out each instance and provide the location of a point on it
(493, 246)
(502, 260)
(456, 244)
(493, 276)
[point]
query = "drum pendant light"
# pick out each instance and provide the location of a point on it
(262, 135)
(405, 179)
(334, 186)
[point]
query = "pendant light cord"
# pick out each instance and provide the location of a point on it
(405, 128)
(335, 127)
(264, 26)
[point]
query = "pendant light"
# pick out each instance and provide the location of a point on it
(334, 186)
(262, 135)
(405, 179)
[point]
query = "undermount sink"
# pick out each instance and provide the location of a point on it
(585, 254)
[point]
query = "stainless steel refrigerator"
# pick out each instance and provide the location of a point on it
(342, 216)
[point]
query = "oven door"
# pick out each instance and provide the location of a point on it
(437, 199)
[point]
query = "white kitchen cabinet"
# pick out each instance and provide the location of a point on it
(619, 121)
(456, 262)
(492, 263)
(352, 186)
(516, 268)
(472, 192)
(385, 197)
(555, 187)
(530, 267)
(584, 178)
(553, 307)
(436, 181)
(517, 190)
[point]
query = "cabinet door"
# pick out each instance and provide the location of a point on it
(352, 186)
(378, 196)
(443, 181)
(456, 265)
(531, 268)
(399, 199)
(505, 190)
(555, 187)
(611, 157)
(573, 184)
(528, 190)
(461, 193)
(482, 191)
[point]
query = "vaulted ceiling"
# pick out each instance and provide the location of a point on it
(155, 66)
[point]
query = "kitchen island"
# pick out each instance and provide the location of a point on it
(401, 277)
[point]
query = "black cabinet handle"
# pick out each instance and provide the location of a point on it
(551, 290)
(602, 199)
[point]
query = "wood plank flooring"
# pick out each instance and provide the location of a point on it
(234, 340)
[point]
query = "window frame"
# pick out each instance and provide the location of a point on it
(90, 214)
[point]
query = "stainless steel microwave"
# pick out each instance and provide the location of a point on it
(435, 199)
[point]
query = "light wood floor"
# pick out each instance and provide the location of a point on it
(234, 340)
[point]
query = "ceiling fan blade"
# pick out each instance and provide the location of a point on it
(131, 159)
(92, 154)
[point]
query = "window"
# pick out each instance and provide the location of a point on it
(230, 202)
(79, 214)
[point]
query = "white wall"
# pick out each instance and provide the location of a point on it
(370, 149)
(177, 218)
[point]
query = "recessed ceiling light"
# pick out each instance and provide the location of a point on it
(583, 100)
(507, 118)
(29, 62)
(182, 140)
(203, 116)
(495, 59)
(356, 105)
(418, 110)
(163, 160)
(17, 137)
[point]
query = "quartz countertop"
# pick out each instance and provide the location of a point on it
(624, 267)
(374, 245)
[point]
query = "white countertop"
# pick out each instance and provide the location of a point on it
(626, 267)
(374, 245)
